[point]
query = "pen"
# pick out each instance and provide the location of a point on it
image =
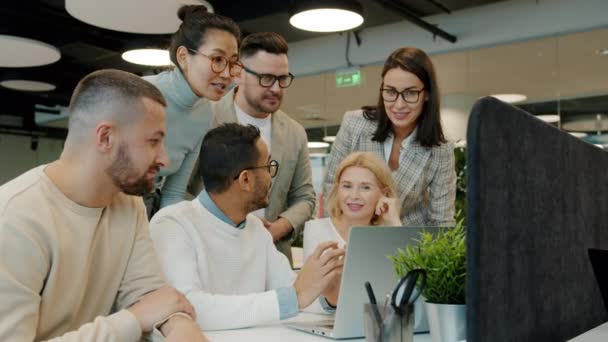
(375, 310)
(370, 293)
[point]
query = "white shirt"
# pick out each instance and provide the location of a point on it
(318, 231)
(265, 127)
(265, 124)
(405, 144)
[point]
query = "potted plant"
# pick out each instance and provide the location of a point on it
(443, 257)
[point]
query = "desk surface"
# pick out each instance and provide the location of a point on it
(277, 331)
(597, 334)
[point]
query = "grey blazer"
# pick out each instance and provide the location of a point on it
(425, 179)
(291, 195)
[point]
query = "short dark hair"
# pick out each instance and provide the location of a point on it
(270, 42)
(108, 87)
(196, 21)
(417, 62)
(226, 151)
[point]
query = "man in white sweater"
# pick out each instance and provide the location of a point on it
(223, 259)
(76, 260)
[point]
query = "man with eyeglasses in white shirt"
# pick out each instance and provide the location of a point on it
(256, 100)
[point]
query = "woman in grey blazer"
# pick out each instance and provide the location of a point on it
(405, 130)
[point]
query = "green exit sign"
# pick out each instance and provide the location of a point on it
(348, 77)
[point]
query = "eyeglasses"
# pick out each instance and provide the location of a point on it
(219, 64)
(267, 80)
(408, 95)
(272, 166)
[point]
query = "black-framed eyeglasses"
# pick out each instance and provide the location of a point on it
(272, 166)
(267, 80)
(219, 64)
(408, 95)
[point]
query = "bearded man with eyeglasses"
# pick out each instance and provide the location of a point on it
(256, 100)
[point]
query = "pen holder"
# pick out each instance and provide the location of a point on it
(395, 327)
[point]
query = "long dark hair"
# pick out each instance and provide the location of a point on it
(418, 63)
(196, 21)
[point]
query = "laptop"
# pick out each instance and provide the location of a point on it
(599, 260)
(367, 260)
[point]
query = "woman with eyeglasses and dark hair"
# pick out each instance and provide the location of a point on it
(405, 130)
(205, 53)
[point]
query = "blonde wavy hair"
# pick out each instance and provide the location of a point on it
(368, 161)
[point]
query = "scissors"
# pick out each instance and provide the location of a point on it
(404, 294)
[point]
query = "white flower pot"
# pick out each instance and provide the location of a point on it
(447, 322)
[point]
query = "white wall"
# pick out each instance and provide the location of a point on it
(16, 155)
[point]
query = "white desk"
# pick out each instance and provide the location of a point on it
(597, 334)
(278, 332)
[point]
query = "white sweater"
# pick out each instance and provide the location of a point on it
(228, 274)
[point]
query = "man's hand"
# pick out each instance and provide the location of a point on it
(322, 267)
(182, 329)
(332, 291)
(158, 305)
(278, 229)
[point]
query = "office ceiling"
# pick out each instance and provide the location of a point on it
(546, 70)
(85, 48)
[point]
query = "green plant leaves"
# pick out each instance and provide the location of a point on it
(443, 257)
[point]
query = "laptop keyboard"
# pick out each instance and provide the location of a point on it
(328, 324)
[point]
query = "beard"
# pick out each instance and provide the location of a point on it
(260, 106)
(125, 175)
(260, 196)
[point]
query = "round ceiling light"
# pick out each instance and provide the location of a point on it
(329, 138)
(510, 98)
(549, 118)
(134, 16)
(26, 85)
(19, 52)
(326, 15)
(153, 57)
(317, 144)
(578, 134)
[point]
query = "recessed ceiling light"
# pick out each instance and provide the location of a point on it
(317, 144)
(26, 85)
(549, 118)
(326, 15)
(510, 98)
(329, 138)
(603, 51)
(154, 57)
(19, 52)
(578, 134)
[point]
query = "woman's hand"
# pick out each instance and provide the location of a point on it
(389, 209)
